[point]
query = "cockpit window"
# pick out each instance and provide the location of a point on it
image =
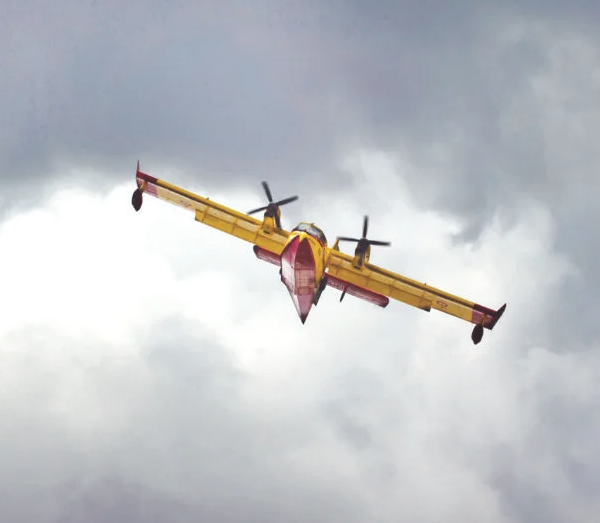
(311, 229)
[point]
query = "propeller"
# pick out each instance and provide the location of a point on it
(364, 242)
(271, 208)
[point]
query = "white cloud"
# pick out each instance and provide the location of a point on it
(163, 352)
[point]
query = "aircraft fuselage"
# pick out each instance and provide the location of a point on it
(302, 266)
(302, 271)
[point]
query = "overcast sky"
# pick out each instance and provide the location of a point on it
(151, 369)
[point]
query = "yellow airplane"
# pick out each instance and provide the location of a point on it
(307, 265)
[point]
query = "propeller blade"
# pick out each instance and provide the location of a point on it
(258, 210)
(364, 241)
(286, 200)
(267, 191)
(272, 208)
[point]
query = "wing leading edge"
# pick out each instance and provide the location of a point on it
(400, 288)
(211, 213)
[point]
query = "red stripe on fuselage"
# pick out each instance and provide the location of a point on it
(298, 273)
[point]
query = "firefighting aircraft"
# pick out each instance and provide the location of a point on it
(307, 265)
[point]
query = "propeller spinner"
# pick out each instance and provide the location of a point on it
(363, 243)
(272, 209)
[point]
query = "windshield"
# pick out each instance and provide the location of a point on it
(311, 229)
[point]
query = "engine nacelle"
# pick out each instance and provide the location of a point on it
(361, 256)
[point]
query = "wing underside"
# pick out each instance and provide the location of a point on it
(214, 214)
(411, 292)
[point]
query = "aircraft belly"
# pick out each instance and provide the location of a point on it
(298, 273)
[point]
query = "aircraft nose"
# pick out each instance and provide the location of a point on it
(303, 305)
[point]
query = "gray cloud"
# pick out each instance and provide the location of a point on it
(177, 86)
(115, 500)
(231, 91)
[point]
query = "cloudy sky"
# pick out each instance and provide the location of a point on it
(153, 370)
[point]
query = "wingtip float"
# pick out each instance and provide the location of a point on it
(307, 265)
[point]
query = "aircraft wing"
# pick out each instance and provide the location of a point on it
(386, 283)
(214, 214)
